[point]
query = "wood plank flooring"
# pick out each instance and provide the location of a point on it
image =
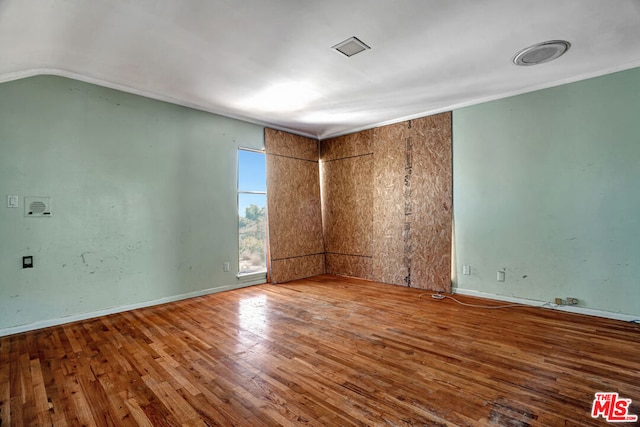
(320, 351)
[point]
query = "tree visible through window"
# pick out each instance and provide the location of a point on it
(252, 211)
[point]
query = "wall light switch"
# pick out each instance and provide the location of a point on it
(12, 201)
(225, 266)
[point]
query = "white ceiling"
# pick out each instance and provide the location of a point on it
(270, 61)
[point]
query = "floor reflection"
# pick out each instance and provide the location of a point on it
(252, 315)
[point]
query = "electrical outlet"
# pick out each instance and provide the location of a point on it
(500, 276)
(558, 301)
(225, 266)
(466, 270)
(27, 261)
(572, 301)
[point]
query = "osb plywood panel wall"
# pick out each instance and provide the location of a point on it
(387, 203)
(412, 203)
(347, 204)
(350, 265)
(347, 209)
(390, 241)
(293, 198)
(355, 144)
(288, 145)
(287, 269)
(431, 200)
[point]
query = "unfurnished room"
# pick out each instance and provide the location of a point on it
(336, 213)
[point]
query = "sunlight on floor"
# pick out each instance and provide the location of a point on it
(252, 314)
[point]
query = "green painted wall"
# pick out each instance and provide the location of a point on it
(546, 187)
(143, 197)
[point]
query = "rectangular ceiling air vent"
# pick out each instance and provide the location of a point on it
(351, 46)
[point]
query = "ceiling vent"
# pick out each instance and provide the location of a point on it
(541, 52)
(351, 46)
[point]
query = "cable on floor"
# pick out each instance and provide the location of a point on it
(440, 297)
(490, 307)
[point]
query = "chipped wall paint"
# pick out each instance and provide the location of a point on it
(545, 189)
(143, 197)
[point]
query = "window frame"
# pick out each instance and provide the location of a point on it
(239, 191)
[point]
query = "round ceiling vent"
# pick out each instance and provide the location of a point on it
(541, 52)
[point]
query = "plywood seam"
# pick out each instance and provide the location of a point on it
(347, 157)
(408, 208)
(342, 253)
(291, 157)
(298, 256)
(286, 270)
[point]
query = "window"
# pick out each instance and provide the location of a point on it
(252, 211)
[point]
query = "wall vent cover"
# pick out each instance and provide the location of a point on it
(37, 207)
(351, 46)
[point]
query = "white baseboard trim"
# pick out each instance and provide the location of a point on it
(119, 309)
(546, 304)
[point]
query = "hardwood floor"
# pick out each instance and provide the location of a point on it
(321, 351)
